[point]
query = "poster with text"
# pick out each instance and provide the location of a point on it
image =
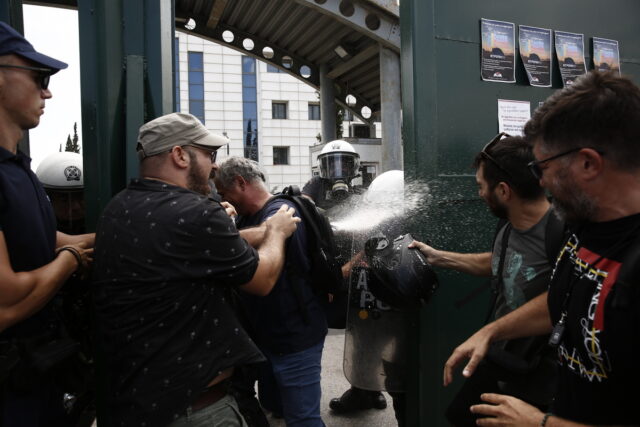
(606, 55)
(570, 52)
(498, 51)
(513, 115)
(535, 51)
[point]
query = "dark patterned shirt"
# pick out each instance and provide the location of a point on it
(165, 261)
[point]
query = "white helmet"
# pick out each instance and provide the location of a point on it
(387, 188)
(61, 171)
(338, 160)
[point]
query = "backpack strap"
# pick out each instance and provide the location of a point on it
(496, 282)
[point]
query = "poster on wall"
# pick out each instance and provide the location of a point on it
(498, 51)
(570, 52)
(512, 116)
(535, 51)
(606, 55)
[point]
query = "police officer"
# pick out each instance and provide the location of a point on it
(35, 260)
(333, 191)
(62, 177)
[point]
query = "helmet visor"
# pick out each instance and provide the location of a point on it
(339, 166)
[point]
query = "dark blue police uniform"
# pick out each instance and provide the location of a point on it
(29, 398)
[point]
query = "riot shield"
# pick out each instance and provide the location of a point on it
(375, 350)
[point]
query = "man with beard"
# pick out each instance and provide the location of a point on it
(586, 138)
(520, 266)
(167, 257)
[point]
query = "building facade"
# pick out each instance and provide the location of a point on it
(269, 115)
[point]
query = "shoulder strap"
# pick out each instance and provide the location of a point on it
(496, 281)
(555, 235)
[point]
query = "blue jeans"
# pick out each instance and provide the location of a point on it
(290, 384)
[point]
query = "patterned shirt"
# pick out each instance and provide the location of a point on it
(165, 261)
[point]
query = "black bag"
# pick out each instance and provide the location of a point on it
(325, 276)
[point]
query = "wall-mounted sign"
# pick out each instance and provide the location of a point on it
(535, 51)
(606, 55)
(570, 52)
(513, 115)
(498, 51)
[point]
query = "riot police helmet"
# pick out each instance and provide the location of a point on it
(61, 171)
(400, 276)
(338, 161)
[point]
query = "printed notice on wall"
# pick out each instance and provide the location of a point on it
(512, 116)
(498, 51)
(606, 55)
(570, 51)
(535, 51)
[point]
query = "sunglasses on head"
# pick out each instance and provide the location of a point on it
(42, 77)
(484, 153)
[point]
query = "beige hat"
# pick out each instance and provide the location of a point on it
(165, 132)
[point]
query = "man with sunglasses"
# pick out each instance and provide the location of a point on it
(167, 259)
(586, 139)
(520, 265)
(35, 260)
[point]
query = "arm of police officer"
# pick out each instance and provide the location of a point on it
(504, 411)
(272, 251)
(529, 320)
(63, 239)
(474, 264)
(24, 293)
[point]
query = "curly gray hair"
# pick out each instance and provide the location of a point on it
(238, 166)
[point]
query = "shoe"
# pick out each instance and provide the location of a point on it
(356, 399)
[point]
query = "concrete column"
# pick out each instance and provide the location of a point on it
(390, 101)
(327, 106)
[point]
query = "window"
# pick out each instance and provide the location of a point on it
(196, 85)
(278, 110)
(273, 69)
(176, 73)
(280, 155)
(249, 108)
(314, 111)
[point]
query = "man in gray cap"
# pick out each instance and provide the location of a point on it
(167, 257)
(35, 260)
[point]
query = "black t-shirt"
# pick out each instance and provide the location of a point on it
(598, 355)
(277, 320)
(165, 260)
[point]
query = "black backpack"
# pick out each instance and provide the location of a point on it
(325, 276)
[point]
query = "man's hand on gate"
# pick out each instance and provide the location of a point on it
(473, 349)
(505, 411)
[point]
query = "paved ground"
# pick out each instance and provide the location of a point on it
(334, 384)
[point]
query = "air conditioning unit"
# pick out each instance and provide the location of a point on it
(359, 130)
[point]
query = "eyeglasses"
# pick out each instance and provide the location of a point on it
(535, 168)
(212, 153)
(42, 78)
(488, 156)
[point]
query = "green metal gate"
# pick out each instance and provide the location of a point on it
(449, 113)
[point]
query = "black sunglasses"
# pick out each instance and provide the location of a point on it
(212, 152)
(484, 153)
(534, 166)
(42, 78)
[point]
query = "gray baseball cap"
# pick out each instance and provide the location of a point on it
(161, 134)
